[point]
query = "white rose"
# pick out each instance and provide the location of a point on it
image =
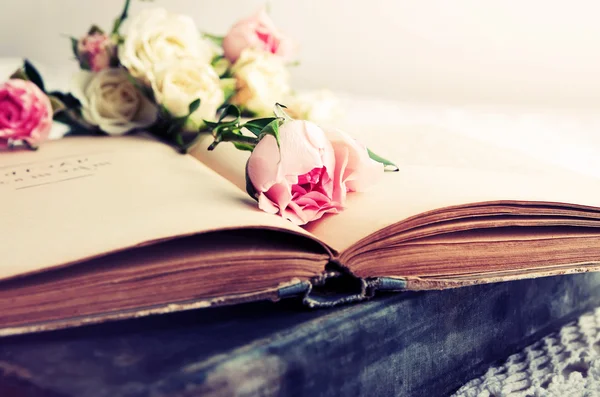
(261, 81)
(110, 101)
(156, 36)
(179, 83)
(321, 107)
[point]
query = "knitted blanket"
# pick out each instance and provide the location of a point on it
(566, 363)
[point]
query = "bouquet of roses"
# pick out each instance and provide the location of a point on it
(164, 77)
(160, 74)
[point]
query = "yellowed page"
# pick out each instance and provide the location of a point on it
(81, 197)
(225, 160)
(438, 168)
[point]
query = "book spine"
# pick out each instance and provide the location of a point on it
(337, 286)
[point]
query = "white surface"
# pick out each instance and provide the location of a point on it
(540, 58)
(527, 51)
(567, 137)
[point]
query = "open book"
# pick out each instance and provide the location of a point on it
(94, 229)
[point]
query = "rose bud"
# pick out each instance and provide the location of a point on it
(258, 32)
(295, 180)
(96, 52)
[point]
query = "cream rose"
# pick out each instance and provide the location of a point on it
(261, 81)
(110, 101)
(156, 36)
(179, 83)
(321, 107)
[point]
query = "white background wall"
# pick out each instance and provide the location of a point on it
(540, 51)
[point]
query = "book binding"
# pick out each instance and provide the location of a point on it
(338, 286)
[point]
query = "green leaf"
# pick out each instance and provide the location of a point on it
(144, 89)
(119, 21)
(388, 165)
(95, 29)
(218, 40)
(193, 106)
(83, 63)
(213, 145)
(163, 111)
(176, 124)
(279, 112)
(221, 65)
(224, 133)
(179, 140)
(74, 46)
(19, 74)
(77, 126)
(57, 105)
(230, 110)
(119, 39)
(175, 128)
(211, 124)
(30, 145)
(68, 99)
(257, 125)
(250, 187)
(33, 75)
(243, 146)
(271, 129)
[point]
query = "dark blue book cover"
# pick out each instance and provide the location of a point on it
(407, 344)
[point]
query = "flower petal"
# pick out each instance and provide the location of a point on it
(354, 168)
(79, 84)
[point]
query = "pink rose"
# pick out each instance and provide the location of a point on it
(25, 113)
(96, 51)
(299, 184)
(316, 170)
(258, 32)
(354, 171)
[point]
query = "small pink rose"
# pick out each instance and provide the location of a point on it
(354, 171)
(25, 113)
(296, 180)
(96, 51)
(258, 32)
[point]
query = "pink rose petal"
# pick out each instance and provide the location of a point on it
(25, 113)
(258, 32)
(294, 180)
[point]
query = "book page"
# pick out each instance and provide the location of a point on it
(81, 197)
(439, 168)
(225, 160)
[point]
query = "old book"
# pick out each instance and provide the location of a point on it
(95, 229)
